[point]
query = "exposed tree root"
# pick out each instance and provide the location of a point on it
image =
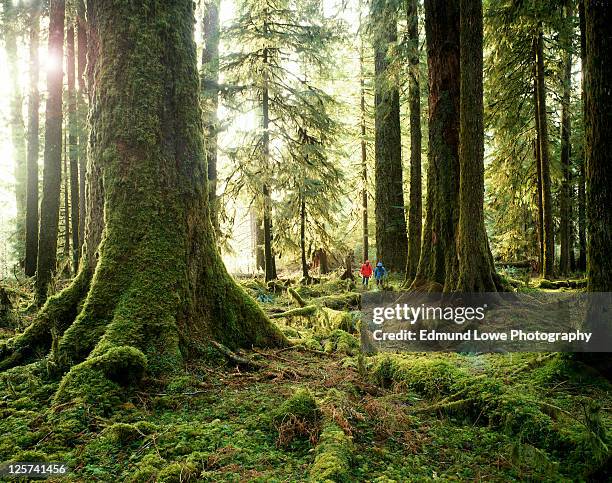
(52, 321)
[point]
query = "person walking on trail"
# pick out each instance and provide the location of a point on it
(366, 273)
(379, 274)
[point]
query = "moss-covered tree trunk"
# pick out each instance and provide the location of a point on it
(82, 115)
(438, 265)
(17, 127)
(305, 274)
(73, 147)
(159, 288)
(210, 99)
(582, 161)
(415, 216)
(52, 173)
(31, 225)
(548, 264)
(391, 236)
(565, 201)
(598, 119)
(476, 270)
(365, 230)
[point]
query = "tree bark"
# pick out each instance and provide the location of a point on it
(210, 99)
(270, 264)
(548, 228)
(437, 268)
(66, 191)
(565, 195)
(598, 71)
(82, 117)
(257, 238)
(18, 136)
(415, 215)
(52, 173)
(364, 158)
(391, 236)
(305, 274)
(476, 270)
(582, 161)
(73, 147)
(31, 246)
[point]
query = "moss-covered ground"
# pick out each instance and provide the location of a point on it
(320, 411)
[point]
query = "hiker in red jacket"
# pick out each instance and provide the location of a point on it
(366, 273)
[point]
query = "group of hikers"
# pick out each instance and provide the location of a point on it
(367, 271)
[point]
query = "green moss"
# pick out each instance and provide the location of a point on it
(298, 416)
(177, 473)
(333, 457)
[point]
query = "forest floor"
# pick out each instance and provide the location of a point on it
(322, 411)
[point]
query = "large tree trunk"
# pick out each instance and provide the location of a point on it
(52, 173)
(210, 99)
(598, 72)
(18, 136)
(82, 116)
(391, 236)
(415, 215)
(438, 263)
(582, 161)
(565, 195)
(548, 264)
(476, 270)
(73, 147)
(160, 288)
(365, 235)
(31, 245)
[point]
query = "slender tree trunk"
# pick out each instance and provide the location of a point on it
(18, 136)
(437, 268)
(548, 228)
(267, 199)
(391, 236)
(565, 198)
(82, 117)
(476, 270)
(73, 147)
(305, 274)
(257, 239)
(540, 226)
(210, 99)
(66, 190)
(415, 215)
(31, 246)
(52, 174)
(598, 72)
(364, 158)
(582, 162)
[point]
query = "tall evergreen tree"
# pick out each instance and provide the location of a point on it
(438, 265)
(391, 236)
(476, 270)
(415, 216)
(582, 162)
(268, 35)
(73, 152)
(565, 208)
(18, 137)
(31, 246)
(210, 98)
(547, 208)
(82, 115)
(52, 173)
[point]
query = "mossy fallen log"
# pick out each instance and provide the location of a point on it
(333, 456)
(347, 301)
(557, 284)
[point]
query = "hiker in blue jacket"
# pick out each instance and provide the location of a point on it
(379, 273)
